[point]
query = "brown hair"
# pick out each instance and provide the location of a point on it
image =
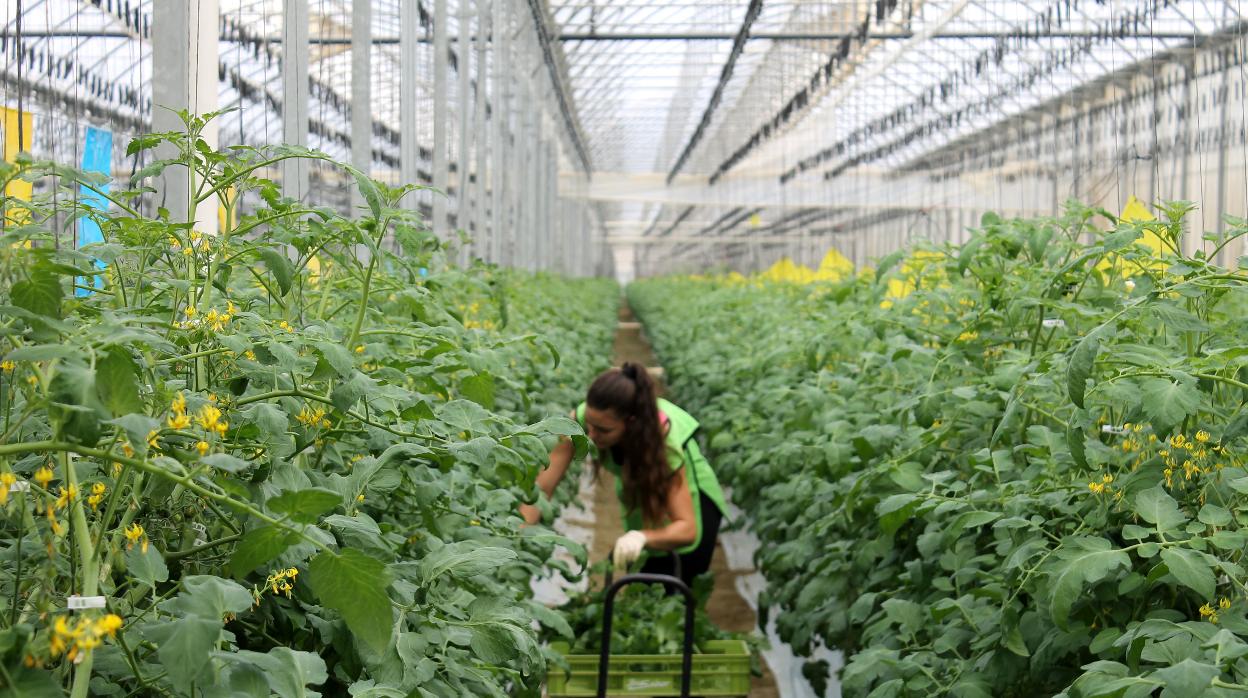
(632, 394)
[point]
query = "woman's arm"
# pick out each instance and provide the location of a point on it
(683, 529)
(549, 479)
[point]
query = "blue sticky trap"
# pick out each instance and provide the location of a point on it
(424, 271)
(97, 156)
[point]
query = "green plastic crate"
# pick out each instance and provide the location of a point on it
(721, 669)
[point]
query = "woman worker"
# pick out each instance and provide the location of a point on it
(670, 497)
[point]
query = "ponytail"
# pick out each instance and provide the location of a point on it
(632, 394)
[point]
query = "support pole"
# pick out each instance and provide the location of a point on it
(184, 44)
(295, 95)
(502, 117)
(440, 67)
(463, 104)
(483, 232)
(409, 145)
(361, 91)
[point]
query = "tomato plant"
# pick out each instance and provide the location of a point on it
(1012, 467)
(286, 455)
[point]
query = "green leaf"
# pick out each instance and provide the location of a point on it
(368, 190)
(354, 584)
(895, 511)
(338, 357)
(260, 546)
(117, 381)
(1087, 561)
(288, 672)
(305, 506)
(1191, 570)
(480, 389)
(281, 268)
(551, 619)
(184, 646)
(40, 294)
(146, 567)
(1157, 507)
(1075, 439)
(42, 352)
(462, 560)
(1079, 370)
(1187, 679)
(31, 683)
(209, 597)
(225, 462)
(1166, 402)
(1214, 515)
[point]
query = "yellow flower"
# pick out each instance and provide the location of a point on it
(108, 625)
(179, 403)
(135, 534)
(7, 366)
(202, 447)
(209, 417)
(6, 483)
(1202, 436)
(216, 320)
(179, 422)
(968, 336)
(1224, 603)
(1178, 440)
(1096, 488)
(359, 497)
(190, 311)
(250, 355)
(43, 476)
(282, 581)
(1107, 479)
(1207, 611)
(359, 349)
(286, 326)
(67, 495)
(153, 440)
(32, 379)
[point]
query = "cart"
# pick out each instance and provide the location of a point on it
(722, 669)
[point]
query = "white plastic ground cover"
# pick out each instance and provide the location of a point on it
(576, 522)
(739, 548)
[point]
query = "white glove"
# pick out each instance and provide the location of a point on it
(628, 547)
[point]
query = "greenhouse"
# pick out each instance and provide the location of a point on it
(554, 348)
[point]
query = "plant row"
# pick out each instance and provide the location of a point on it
(283, 459)
(1014, 467)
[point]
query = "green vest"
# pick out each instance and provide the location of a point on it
(682, 450)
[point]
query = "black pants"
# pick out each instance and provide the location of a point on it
(698, 560)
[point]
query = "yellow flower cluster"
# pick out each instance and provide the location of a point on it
(1208, 612)
(83, 636)
(311, 417)
(1102, 486)
(97, 494)
(179, 419)
(7, 366)
(214, 319)
(209, 418)
(279, 582)
(67, 497)
(968, 336)
(286, 326)
(136, 535)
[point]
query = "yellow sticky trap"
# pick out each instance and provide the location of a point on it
(1135, 212)
(834, 267)
(314, 269)
(10, 120)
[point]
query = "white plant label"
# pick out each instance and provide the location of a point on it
(1111, 429)
(1054, 322)
(78, 603)
(20, 486)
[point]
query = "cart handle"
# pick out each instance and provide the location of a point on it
(608, 613)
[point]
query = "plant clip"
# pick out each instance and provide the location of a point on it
(78, 603)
